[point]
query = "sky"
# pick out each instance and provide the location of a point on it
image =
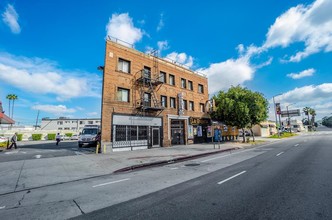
(50, 50)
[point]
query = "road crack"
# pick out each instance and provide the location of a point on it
(21, 200)
(78, 207)
(19, 176)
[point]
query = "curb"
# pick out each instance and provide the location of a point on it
(175, 160)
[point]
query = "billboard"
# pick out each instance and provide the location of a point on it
(291, 113)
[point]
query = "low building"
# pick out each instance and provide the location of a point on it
(265, 129)
(148, 101)
(67, 124)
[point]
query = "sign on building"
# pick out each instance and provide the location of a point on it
(291, 113)
(181, 104)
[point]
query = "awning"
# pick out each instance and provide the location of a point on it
(4, 119)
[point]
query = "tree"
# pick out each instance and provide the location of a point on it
(240, 107)
(306, 112)
(14, 97)
(312, 112)
(11, 98)
(258, 109)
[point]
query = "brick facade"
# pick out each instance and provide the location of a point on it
(115, 80)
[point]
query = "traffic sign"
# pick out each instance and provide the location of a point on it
(291, 113)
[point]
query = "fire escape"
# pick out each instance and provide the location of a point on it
(147, 82)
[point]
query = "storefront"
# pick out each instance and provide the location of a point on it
(134, 132)
(200, 130)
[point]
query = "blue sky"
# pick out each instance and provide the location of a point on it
(50, 50)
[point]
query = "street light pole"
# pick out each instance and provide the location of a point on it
(290, 126)
(275, 113)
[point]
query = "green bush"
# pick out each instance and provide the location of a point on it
(283, 135)
(36, 137)
(3, 144)
(51, 136)
(69, 134)
(19, 137)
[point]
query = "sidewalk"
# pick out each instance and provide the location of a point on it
(29, 174)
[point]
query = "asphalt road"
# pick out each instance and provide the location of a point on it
(42, 149)
(290, 180)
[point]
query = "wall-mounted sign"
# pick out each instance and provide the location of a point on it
(181, 104)
(199, 121)
(278, 109)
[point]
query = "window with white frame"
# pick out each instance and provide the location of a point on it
(200, 88)
(190, 85)
(191, 105)
(183, 83)
(171, 79)
(123, 95)
(163, 100)
(202, 107)
(124, 65)
(172, 102)
(162, 77)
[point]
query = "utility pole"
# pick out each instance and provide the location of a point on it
(37, 120)
(275, 113)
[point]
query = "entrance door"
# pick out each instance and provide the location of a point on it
(177, 132)
(155, 137)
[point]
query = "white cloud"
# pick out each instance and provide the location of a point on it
(10, 18)
(311, 25)
(304, 73)
(180, 58)
(92, 114)
(121, 27)
(162, 45)
(161, 22)
(318, 97)
(41, 76)
(223, 75)
(54, 109)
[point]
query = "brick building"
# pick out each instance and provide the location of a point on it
(151, 102)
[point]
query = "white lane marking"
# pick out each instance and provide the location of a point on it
(296, 145)
(221, 182)
(2, 207)
(174, 168)
(104, 184)
(12, 152)
(38, 156)
(279, 154)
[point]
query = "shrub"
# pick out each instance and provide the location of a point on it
(3, 144)
(69, 134)
(19, 137)
(36, 137)
(51, 136)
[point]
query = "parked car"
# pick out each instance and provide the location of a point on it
(247, 133)
(3, 139)
(74, 137)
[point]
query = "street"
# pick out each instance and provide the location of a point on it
(42, 149)
(288, 179)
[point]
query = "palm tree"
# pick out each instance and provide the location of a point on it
(313, 114)
(14, 97)
(9, 97)
(306, 110)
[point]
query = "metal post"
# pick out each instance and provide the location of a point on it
(290, 126)
(275, 113)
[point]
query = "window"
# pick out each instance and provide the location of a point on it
(183, 83)
(90, 122)
(124, 65)
(191, 106)
(147, 100)
(122, 95)
(163, 101)
(162, 77)
(66, 128)
(172, 80)
(200, 88)
(142, 132)
(185, 104)
(190, 85)
(72, 128)
(202, 107)
(147, 72)
(60, 123)
(81, 122)
(172, 102)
